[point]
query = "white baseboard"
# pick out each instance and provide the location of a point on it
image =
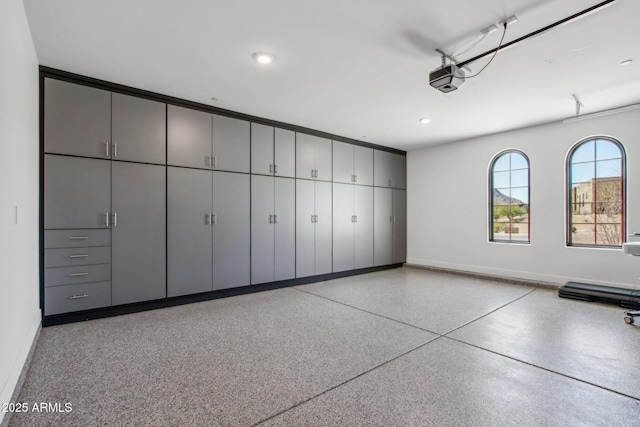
(509, 274)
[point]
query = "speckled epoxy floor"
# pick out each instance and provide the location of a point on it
(398, 347)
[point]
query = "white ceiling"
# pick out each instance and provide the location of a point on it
(355, 68)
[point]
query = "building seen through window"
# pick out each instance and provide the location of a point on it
(596, 193)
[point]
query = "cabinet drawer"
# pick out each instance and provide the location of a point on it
(64, 299)
(80, 274)
(77, 256)
(76, 238)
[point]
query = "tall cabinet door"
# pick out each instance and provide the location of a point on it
(138, 232)
(262, 229)
(382, 226)
(285, 153)
(189, 233)
(77, 192)
(285, 228)
(188, 137)
(231, 144)
(77, 119)
(305, 228)
(363, 242)
(231, 235)
(324, 246)
(399, 226)
(342, 162)
(343, 227)
(138, 129)
(262, 149)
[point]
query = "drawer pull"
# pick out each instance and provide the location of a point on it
(78, 296)
(79, 256)
(78, 274)
(78, 237)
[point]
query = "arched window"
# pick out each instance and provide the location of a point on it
(509, 198)
(596, 213)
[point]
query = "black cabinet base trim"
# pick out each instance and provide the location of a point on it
(99, 313)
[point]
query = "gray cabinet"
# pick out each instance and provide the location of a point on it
(352, 227)
(352, 164)
(77, 119)
(189, 235)
(399, 232)
(389, 170)
(138, 129)
(231, 144)
(77, 274)
(84, 121)
(83, 196)
(231, 233)
(313, 157)
(188, 137)
(240, 203)
(390, 230)
(313, 228)
(272, 151)
(208, 242)
(77, 192)
(382, 226)
(207, 141)
(363, 226)
(138, 232)
(272, 229)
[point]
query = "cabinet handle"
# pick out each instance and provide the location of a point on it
(214, 218)
(270, 168)
(312, 176)
(215, 162)
(391, 218)
(208, 161)
(207, 219)
(270, 219)
(79, 256)
(634, 234)
(78, 237)
(107, 144)
(313, 217)
(275, 218)
(275, 169)
(115, 219)
(115, 150)
(106, 219)
(78, 296)
(78, 274)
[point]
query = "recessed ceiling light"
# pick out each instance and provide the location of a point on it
(425, 120)
(627, 62)
(214, 99)
(263, 58)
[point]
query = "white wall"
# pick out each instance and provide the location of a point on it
(448, 206)
(19, 294)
